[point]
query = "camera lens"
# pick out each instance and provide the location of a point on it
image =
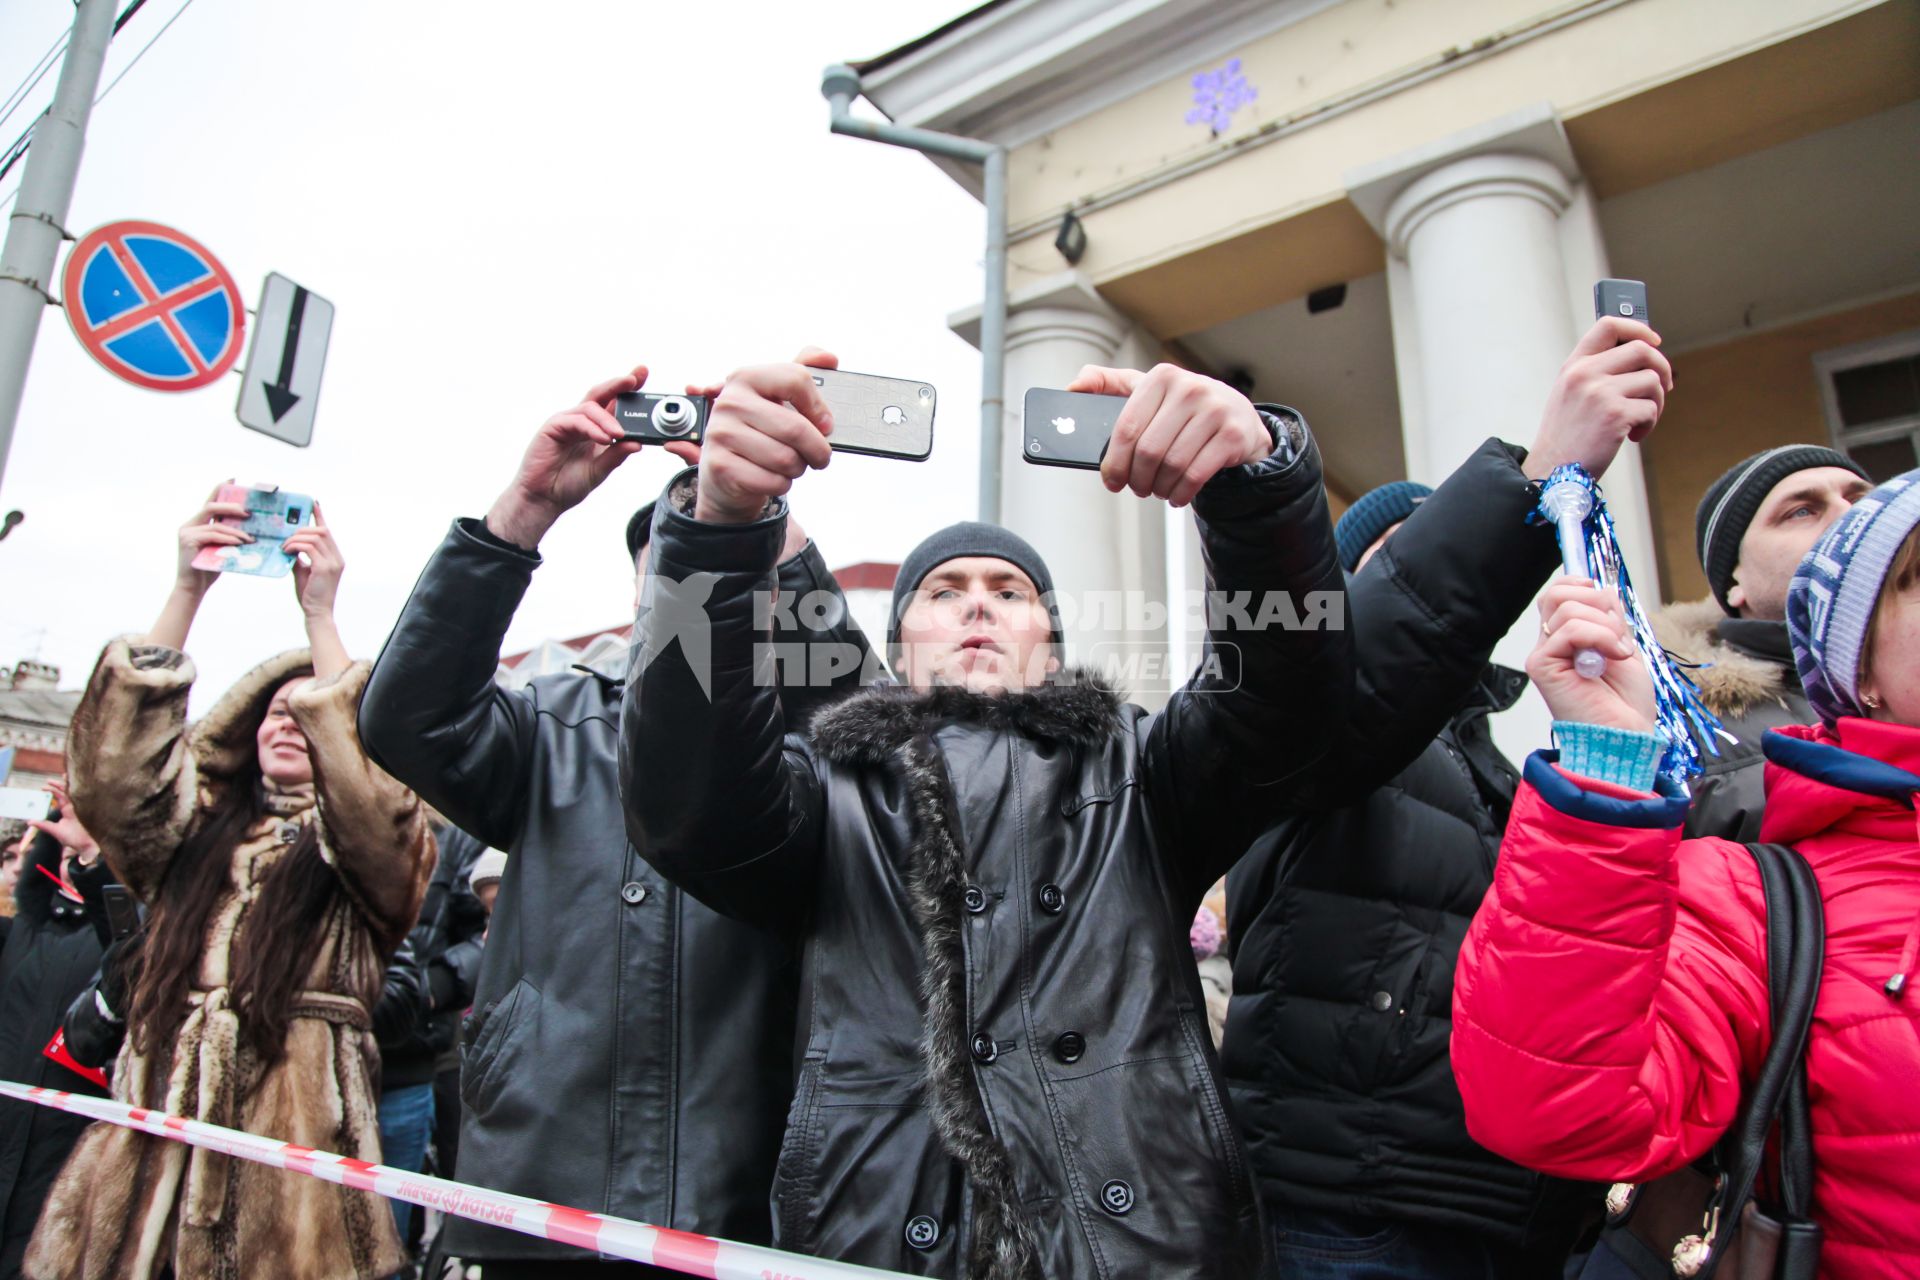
(673, 416)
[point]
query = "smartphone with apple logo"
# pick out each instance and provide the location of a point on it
(1068, 428)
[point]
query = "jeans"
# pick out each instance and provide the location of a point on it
(406, 1122)
(1309, 1245)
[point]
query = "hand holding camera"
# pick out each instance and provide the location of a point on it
(572, 453)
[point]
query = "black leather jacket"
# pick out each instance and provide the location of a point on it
(1007, 1068)
(630, 1051)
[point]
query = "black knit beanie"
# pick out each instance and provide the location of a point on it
(639, 530)
(1733, 500)
(969, 538)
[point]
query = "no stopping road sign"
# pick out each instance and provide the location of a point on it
(153, 306)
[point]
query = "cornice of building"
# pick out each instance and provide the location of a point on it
(1010, 72)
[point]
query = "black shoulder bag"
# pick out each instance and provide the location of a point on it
(1703, 1221)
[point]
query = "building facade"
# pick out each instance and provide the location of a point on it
(1391, 213)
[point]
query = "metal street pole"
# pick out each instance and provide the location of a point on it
(840, 85)
(39, 218)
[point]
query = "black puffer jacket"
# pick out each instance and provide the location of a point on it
(630, 1051)
(51, 952)
(1007, 1070)
(1346, 922)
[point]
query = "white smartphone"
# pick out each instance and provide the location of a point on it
(25, 803)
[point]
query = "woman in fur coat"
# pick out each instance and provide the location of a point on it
(279, 868)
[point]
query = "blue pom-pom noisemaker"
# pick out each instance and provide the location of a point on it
(1571, 501)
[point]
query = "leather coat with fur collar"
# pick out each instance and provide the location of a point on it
(1006, 1070)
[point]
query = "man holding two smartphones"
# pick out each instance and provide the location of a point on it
(1006, 1071)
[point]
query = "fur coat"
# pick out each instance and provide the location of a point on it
(1745, 672)
(128, 1205)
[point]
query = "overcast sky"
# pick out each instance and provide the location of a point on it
(507, 203)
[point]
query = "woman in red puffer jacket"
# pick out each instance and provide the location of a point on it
(1611, 1000)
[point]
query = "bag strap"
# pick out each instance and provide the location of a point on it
(1805, 962)
(1796, 950)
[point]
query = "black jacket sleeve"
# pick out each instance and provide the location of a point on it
(456, 974)
(739, 825)
(1260, 718)
(1427, 610)
(403, 1003)
(431, 715)
(33, 891)
(93, 1036)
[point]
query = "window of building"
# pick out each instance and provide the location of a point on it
(1871, 392)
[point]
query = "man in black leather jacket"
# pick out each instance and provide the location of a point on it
(630, 1052)
(1346, 919)
(1007, 1072)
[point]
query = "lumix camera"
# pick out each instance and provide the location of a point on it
(883, 417)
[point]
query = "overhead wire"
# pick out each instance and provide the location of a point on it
(34, 76)
(19, 146)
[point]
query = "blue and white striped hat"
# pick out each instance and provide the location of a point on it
(1830, 601)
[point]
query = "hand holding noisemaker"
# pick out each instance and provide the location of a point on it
(1567, 500)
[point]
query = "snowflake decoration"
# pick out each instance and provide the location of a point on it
(1218, 94)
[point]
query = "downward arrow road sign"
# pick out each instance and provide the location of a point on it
(280, 395)
(281, 387)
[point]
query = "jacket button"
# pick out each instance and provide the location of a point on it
(922, 1232)
(1070, 1047)
(633, 893)
(1382, 1000)
(1117, 1198)
(974, 899)
(983, 1050)
(1052, 900)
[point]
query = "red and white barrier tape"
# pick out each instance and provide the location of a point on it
(616, 1237)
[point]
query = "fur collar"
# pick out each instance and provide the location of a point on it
(224, 741)
(868, 728)
(1735, 682)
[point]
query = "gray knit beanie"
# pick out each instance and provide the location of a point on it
(968, 538)
(1732, 501)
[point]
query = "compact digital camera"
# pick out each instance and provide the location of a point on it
(875, 415)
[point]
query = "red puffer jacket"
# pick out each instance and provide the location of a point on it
(1612, 994)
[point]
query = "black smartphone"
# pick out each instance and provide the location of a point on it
(872, 414)
(1068, 428)
(123, 911)
(1626, 298)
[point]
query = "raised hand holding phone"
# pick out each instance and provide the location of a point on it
(317, 565)
(267, 516)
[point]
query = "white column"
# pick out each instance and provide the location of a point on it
(1481, 241)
